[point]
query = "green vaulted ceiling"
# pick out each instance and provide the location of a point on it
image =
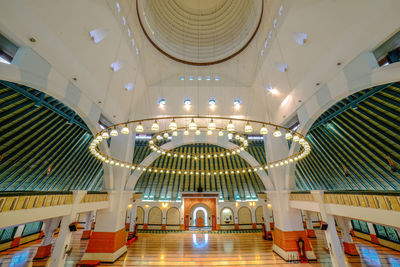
(43, 144)
(355, 144)
(162, 186)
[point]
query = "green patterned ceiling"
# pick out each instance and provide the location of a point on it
(43, 144)
(353, 143)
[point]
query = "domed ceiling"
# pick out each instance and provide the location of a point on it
(200, 32)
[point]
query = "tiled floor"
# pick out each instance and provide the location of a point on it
(188, 249)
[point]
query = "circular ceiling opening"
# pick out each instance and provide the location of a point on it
(200, 32)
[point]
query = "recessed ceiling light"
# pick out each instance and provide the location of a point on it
(162, 102)
(270, 34)
(187, 104)
(129, 86)
(137, 51)
(129, 32)
(190, 78)
(123, 20)
(262, 52)
(182, 78)
(237, 103)
(199, 78)
(275, 23)
(212, 103)
(117, 65)
(208, 78)
(280, 10)
(266, 44)
(133, 42)
(118, 7)
(299, 37)
(217, 78)
(98, 35)
(282, 67)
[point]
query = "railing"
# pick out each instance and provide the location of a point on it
(19, 200)
(386, 200)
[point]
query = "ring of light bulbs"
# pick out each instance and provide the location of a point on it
(164, 135)
(192, 127)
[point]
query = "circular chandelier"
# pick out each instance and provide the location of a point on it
(208, 126)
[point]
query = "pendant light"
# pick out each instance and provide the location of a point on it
(139, 128)
(230, 127)
(248, 128)
(125, 129)
(288, 135)
(211, 125)
(155, 127)
(277, 133)
(192, 125)
(173, 126)
(105, 135)
(114, 132)
(264, 130)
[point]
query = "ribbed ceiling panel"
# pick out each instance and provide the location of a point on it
(231, 186)
(352, 150)
(40, 149)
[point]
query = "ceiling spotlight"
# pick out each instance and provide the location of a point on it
(282, 67)
(187, 104)
(186, 132)
(182, 78)
(208, 78)
(199, 78)
(173, 126)
(117, 65)
(192, 125)
(248, 128)
(299, 37)
(220, 133)
(155, 127)
(288, 135)
(190, 78)
(217, 78)
(114, 132)
(139, 128)
(237, 103)
(105, 135)
(129, 86)
(230, 127)
(162, 102)
(211, 125)
(212, 104)
(125, 129)
(277, 133)
(264, 130)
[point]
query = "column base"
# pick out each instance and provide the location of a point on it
(181, 227)
(350, 248)
(127, 226)
(311, 233)
(145, 226)
(106, 246)
(254, 225)
(352, 233)
(43, 252)
(236, 226)
(271, 225)
(374, 239)
(268, 235)
(218, 227)
(285, 244)
(86, 234)
(163, 227)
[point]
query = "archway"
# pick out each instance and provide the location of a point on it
(173, 219)
(227, 219)
(139, 217)
(200, 217)
(155, 217)
(244, 215)
(259, 217)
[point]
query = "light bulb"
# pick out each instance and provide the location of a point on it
(155, 126)
(288, 135)
(125, 129)
(114, 132)
(198, 132)
(230, 127)
(277, 133)
(248, 128)
(186, 132)
(175, 133)
(296, 138)
(139, 128)
(173, 126)
(264, 130)
(192, 125)
(105, 135)
(220, 133)
(211, 125)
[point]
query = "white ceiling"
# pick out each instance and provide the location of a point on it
(337, 31)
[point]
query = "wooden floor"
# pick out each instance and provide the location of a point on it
(190, 249)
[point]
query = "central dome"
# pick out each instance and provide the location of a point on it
(200, 32)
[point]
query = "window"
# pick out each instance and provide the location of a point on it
(32, 228)
(7, 234)
(360, 226)
(386, 233)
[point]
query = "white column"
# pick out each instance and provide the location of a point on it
(308, 219)
(132, 219)
(88, 222)
(51, 227)
(164, 216)
(266, 215)
(64, 236)
(334, 245)
(343, 224)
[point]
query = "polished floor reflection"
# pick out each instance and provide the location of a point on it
(193, 249)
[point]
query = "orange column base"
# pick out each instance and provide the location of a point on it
(311, 233)
(350, 248)
(254, 225)
(218, 227)
(15, 242)
(285, 244)
(268, 235)
(43, 252)
(236, 226)
(163, 227)
(106, 246)
(145, 226)
(374, 239)
(352, 233)
(127, 226)
(181, 227)
(41, 234)
(86, 234)
(271, 225)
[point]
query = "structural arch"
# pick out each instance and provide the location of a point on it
(244, 218)
(173, 218)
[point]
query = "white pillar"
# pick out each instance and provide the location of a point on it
(64, 236)
(308, 219)
(267, 216)
(88, 222)
(334, 245)
(343, 224)
(132, 219)
(51, 227)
